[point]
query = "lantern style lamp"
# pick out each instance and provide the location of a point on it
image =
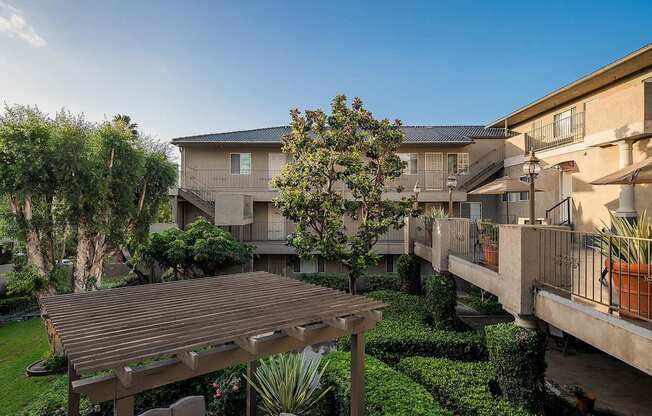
(531, 169)
(451, 183)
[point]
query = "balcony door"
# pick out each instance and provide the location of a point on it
(275, 225)
(565, 191)
(276, 161)
(434, 172)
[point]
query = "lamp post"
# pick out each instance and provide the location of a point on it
(451, 183)
(531, 169)
(417, 191)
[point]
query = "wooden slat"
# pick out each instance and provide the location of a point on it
(111, 329)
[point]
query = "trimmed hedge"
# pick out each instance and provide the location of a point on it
(388, 392)
(403, 333)
(367, 283)
(409, 273)
(518, 356)
(54, 402)
(463, 387)
(17, 304)
(441, 299)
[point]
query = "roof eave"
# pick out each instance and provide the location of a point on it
(639, 59)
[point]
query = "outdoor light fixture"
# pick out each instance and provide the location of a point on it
(531, 169)
(451, 183)
(417, 191)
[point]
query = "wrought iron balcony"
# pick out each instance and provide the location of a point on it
(562, 132)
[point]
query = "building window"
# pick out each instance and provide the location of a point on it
(411, 159)
(458, 163)
(389, 263)
(240, 163)
(516, 196)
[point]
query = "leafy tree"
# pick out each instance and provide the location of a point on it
(348, 149)
(202, 249)
(70, 181)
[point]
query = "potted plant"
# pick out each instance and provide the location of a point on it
(488, 236)
(628, 257)
(584, 401)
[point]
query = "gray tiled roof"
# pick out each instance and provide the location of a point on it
(413, 134)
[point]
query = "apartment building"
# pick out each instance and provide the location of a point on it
(225, 177)
(591, 127)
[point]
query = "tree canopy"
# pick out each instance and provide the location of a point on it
(342, 164)
(202, 249)
(65, 179)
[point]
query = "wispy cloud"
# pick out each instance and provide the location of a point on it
(14, 24)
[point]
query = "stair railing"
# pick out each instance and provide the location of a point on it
(562, 206)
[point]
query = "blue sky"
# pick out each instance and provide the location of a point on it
(182, 68)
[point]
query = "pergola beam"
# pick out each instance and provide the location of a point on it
(103, 388)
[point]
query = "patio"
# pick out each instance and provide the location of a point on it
(151, 335)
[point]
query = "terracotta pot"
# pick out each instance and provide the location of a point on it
(585, 404)
(631, 281)
(490, 252)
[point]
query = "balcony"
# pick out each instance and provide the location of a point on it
(562, 132)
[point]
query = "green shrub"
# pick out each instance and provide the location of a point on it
(441, 299)
(401, 306)
(409, 272)
(482, 301)
(518, 356)
(17, 304)
(388, 392)
(367, 283)
(380, 281)
(468, 389)
(54, 402)
(338, 281)
(403, 333)
(392, 340)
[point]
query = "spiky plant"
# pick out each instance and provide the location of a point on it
(438, 214)
(635, 247)
(288, 383)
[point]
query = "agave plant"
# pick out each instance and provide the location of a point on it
(630, 242)
(288, 383)
(438, 214)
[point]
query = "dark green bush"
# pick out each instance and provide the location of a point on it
(403, 333)
(17, 304)
(518, 356)
(54, 402)
(441, 299)
(468, 389)
(409, 273)
(380, 281)
(367, 283)
(388, 392)
(338, 281)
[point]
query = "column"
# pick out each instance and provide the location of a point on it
(626, 206)
(124, 406)
(251, 392)
(73, 398)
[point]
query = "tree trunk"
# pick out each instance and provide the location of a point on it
(91, 252)
(353, 281)
(23, 213)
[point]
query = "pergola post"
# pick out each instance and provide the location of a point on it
(357, 375)
(251, 392)
(73, 398)
(124, 406)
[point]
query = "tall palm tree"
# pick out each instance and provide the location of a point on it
(123, 118)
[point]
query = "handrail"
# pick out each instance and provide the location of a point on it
(566, 201)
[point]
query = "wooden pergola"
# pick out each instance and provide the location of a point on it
(188, 328)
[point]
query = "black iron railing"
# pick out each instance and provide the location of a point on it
(562, 132)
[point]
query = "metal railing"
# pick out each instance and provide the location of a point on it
(476, 241)
(598, 269)
(562, 132)
(560, 213)
(206, 180)
(279, 231)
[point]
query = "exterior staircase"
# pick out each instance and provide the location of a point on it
(560, 213)
(485, 173)
(193, 197)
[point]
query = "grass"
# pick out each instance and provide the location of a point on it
(21, 343)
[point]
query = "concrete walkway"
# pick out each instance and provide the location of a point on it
(619, 388)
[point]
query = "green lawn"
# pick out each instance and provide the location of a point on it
(21, 343)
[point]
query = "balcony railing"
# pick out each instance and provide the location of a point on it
(562, 132)
(592, 268)
(476, 241)
(279, 231)
(207, 180)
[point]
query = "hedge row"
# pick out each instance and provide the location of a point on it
(368, 283)
(17, 304)
(409, 273)
(466, 388)
(403, 333)
(388, 392)
(518, 356)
